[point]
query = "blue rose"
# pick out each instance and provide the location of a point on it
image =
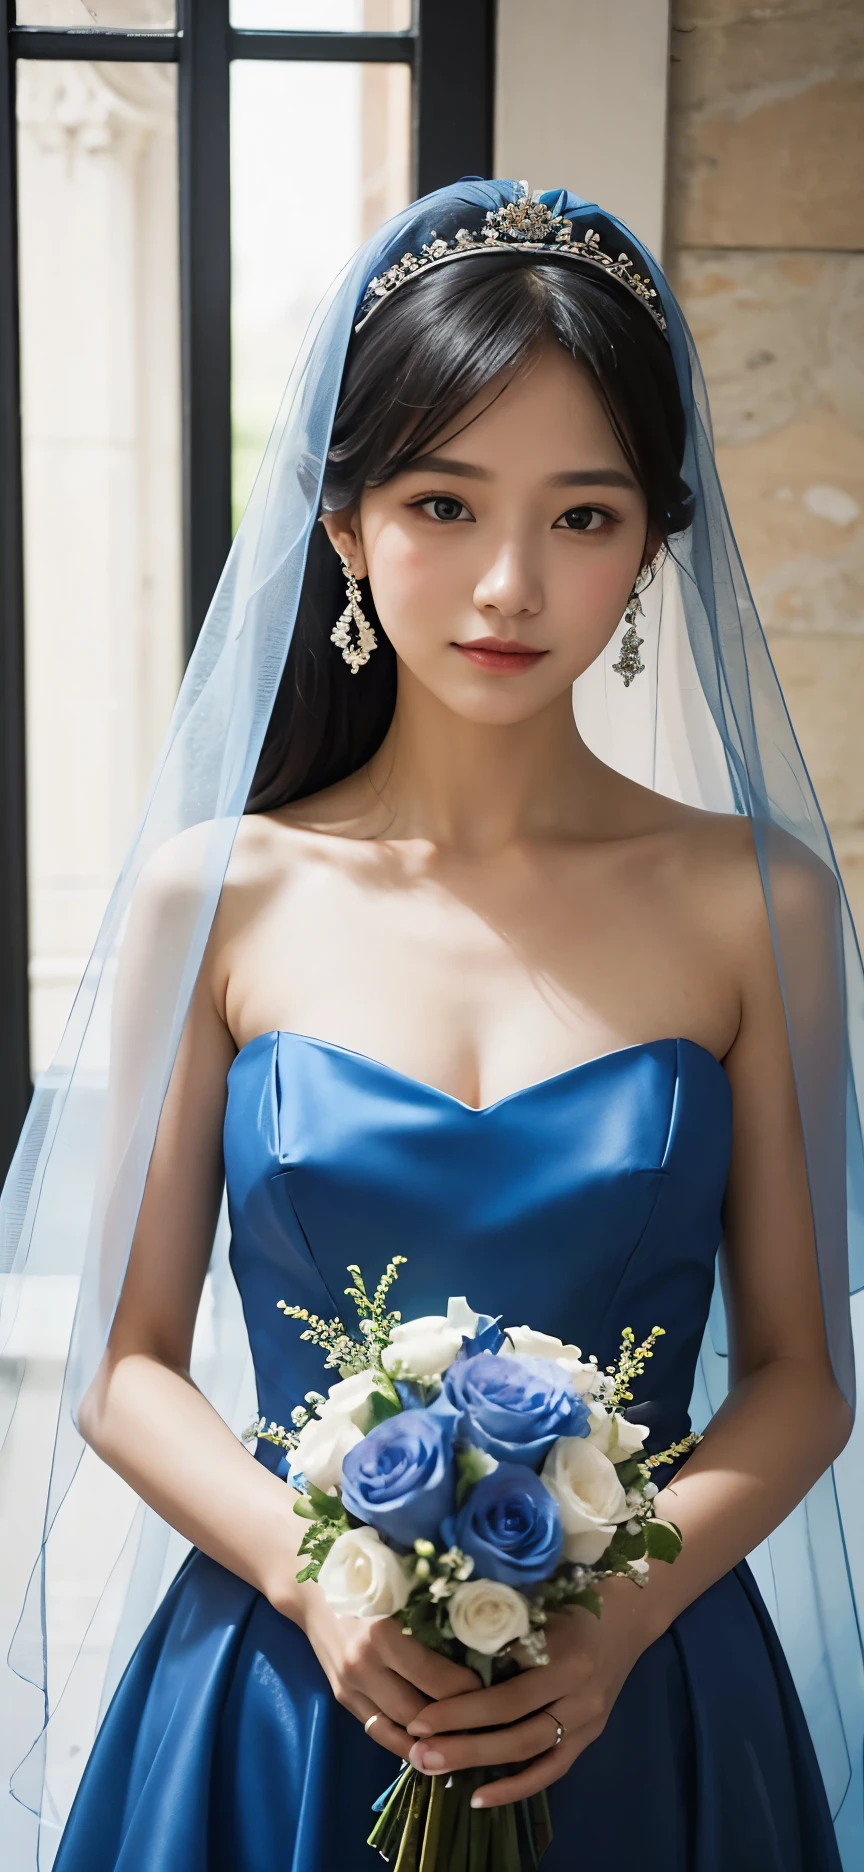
(510, 1527)
(514, 1408)
(401, 1479)
(488, 1337)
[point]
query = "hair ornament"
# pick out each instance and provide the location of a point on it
(530, 223)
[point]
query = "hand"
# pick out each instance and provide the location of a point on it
(382, 1677)
(589, 1660)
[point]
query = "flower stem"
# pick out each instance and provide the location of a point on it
(427, 1824)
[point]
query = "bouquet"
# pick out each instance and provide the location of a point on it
(468, 1478)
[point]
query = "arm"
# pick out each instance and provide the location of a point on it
(144, 1415)
(782, 1424)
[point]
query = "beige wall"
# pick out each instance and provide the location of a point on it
(765, 231)
(580, 102)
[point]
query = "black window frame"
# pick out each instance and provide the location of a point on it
(450, 49)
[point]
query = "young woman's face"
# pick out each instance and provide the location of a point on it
(502, 560)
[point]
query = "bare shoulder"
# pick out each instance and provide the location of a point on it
(251, 859)
(760, 895)
(274, 851)
(730, 876)
(268, 860)
(279, 855)
(173, 878)
(728, 858)
(164, 911)
(755, 866)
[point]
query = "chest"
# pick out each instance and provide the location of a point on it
(480, 979)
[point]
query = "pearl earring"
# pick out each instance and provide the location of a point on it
(354, 654)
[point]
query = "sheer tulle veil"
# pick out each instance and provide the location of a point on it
(707, 724)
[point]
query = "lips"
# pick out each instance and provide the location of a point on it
(500, 654)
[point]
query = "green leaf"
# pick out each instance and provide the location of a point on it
(422, 1621)
(483, 1665)
(626, 1546)
(629, 1473)
(326, 1507)
(381, 1407)
(314, 1542)
(663, 1541)
(590, 1602)
(433, 1639)
(472, 1464)
(309, 1572)
(304, 1508)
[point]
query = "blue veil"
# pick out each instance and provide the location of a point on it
(707, 724)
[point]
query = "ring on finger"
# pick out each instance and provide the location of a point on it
(559, 1726)
(377, 1718)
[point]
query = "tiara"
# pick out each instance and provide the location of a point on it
(526, 223)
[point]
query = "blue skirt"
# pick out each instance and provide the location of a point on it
(224, 1750)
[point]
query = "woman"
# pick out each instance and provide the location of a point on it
(473, 995)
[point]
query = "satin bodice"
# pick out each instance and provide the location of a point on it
(582, 1204)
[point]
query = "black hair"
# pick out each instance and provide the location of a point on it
(409, 373)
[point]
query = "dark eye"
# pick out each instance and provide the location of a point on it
(582, 519)
(444, 507)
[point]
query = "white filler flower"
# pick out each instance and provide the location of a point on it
(590, 1498)
(615, 1436)
(422, 1348)
(486, 1615)
(362, 1578)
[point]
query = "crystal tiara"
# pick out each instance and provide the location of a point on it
(527, 223)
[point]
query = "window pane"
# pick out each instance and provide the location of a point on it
(100, 415)
(120, 13)
(323, 15)
(319, 156)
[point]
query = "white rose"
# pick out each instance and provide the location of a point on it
(583, 1377)
(422, 1348)
(462, 1316)
(486, 1615)
(322, 1447)
(615, 1436)
(363, 1578)
(590, 1498)
(524, 1342)
(352, 1397)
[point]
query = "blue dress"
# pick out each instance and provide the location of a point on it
(583, 1204)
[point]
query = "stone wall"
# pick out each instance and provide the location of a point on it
(765, 242)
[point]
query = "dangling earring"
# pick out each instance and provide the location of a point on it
(630, 664)
(354, 654)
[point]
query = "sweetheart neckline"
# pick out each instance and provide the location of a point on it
(449, 1098)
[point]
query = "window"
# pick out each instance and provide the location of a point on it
(152, 162)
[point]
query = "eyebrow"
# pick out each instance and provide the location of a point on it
(592, 477)
(445, 464)
(569, 477)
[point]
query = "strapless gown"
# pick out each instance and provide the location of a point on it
(583, 1204)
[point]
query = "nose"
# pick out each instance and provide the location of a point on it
(510, 585)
